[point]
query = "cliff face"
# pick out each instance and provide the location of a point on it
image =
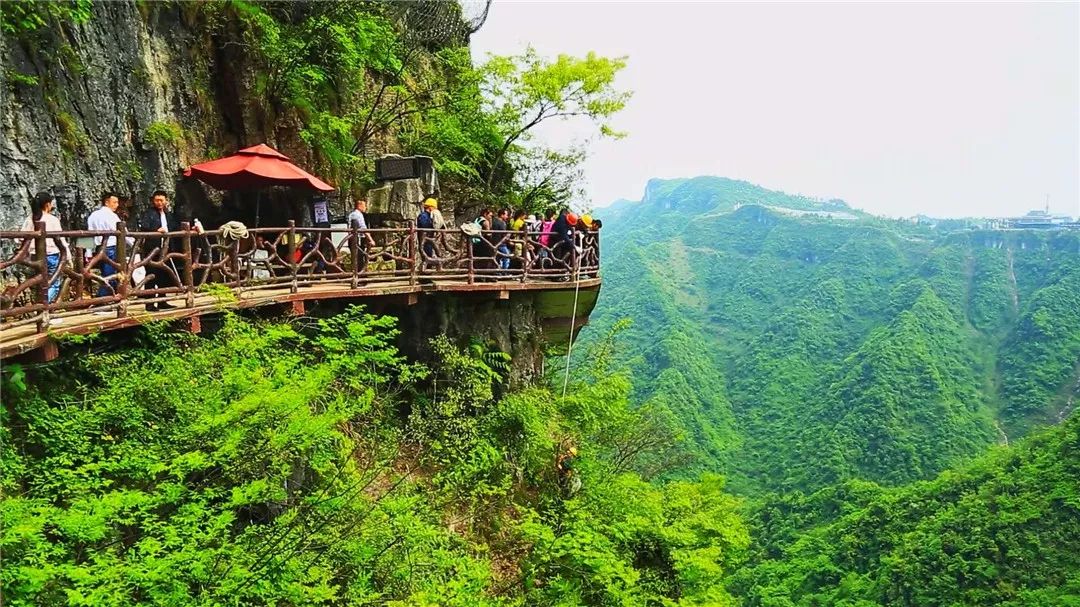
(128, 98)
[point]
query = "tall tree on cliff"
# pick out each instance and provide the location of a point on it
(527, 90)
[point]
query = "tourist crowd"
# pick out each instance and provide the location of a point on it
(500, 241)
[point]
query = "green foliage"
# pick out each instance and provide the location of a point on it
(24, 17)
(198, 473)
(17, 78)
(798, 350)
(1002, 531)
(308, 463)
(1041, 361)
(527, 90)
(73, 138)
(129, 169)
(164, 135)
(636, 544)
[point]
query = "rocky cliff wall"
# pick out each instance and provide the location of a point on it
(125, 101)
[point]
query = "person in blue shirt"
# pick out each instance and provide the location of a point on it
(425, 226)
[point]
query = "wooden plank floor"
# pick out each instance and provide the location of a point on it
(25, 338)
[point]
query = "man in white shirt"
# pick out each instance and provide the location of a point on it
(105, 219)
(358, 222)
(41, 210)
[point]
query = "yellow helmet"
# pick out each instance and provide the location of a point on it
(573, 450)
(587, 219)
(431, 202)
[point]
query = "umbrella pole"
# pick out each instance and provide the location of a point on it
(258, 205)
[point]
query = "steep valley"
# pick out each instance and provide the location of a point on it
(819, 349)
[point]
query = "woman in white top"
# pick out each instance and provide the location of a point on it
(41, 210)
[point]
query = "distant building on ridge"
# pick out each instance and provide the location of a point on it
(1039, 220)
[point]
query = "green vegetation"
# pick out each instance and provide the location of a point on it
(73, 139)
(312, 464)
(525, 91)
(24, 17)
(1001, 531)
(800, 351)
(164, 135)
(363, 76)
(17, 78)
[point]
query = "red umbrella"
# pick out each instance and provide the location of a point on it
(255, 167)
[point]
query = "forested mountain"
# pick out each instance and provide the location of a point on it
(1000, 531)
(803, 343)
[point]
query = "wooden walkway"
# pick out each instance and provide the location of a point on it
(264, 266)
(26, 338)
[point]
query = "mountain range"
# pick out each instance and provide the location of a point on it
(803, 343)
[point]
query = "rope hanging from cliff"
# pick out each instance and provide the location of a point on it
(573, 323)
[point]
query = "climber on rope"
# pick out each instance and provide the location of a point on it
(569, 480)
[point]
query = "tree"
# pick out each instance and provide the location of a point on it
(546, 177)
(527, 90)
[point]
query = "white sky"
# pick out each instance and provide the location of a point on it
(949, 110)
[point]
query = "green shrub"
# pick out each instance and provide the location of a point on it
(162, 135)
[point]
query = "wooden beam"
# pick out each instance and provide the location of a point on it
(297, 307)
(504, 294)
(193, 324)
(47, 351)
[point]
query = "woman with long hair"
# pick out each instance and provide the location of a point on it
(41, 208)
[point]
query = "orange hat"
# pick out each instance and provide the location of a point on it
(571, 219)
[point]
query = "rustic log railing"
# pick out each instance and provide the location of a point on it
(152, 267)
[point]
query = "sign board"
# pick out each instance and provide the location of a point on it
(322, 211)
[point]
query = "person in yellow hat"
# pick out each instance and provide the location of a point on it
(568, 478)
(432, 205)
(587, 220)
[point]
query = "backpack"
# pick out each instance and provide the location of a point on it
(425, 221)
(479, 221)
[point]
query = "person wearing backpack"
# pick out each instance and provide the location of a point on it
(481, 245)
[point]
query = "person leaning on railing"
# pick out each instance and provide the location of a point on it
(56, 248)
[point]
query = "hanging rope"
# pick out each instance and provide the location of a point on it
(573, 322)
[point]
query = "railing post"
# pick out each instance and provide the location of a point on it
(414, 253)
(293, 265)
(526, 256)
(123, 273)
(188, 277)
(80, 269)
(234, 253)
(472, 261)
(577, 262)
(43, 286)
(354, 253)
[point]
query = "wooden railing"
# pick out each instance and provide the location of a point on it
(148, 267)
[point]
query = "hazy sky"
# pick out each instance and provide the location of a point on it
(951, 110)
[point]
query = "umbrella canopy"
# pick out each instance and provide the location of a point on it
(255, 167)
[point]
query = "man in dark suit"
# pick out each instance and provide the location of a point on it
(158, 218)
